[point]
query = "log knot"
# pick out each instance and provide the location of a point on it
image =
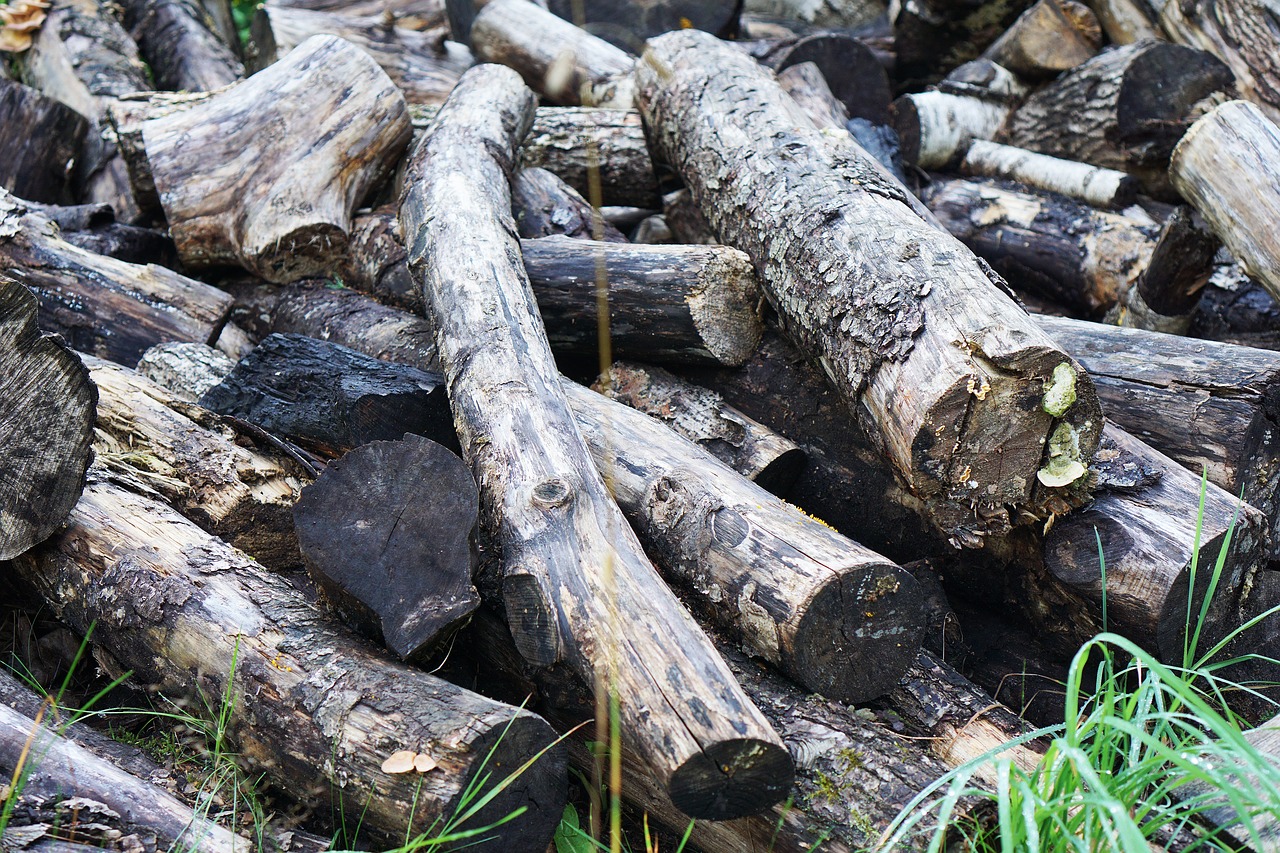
(551, 493)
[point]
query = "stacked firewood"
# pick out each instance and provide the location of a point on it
(335, 398)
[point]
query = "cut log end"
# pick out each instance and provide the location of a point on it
(537, 797)
(732, 779)
(726, 308)
(311, 250)
(871, 615)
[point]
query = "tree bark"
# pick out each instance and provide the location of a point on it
(628, 23)
(565, 64)
(833, 14)
(109, 308)
(1047, 39)
(41, 138)
(46, 425)
(185, 369)
(1168, 290)
(177, 38)
(549, 516)
(281, 210)
(701, 416)
(1127, 21)
(1124, 109)
(414, 14)
(85, 59)
(1228, 167)
(1106, 188)
(423, 64)
(309, 704)
(386, 532)
(544, 206)
(838, 618)
(1213, 407)
(719, 119)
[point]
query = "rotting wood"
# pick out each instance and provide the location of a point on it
(544, 205)
(425, 65)
(855, 77)
(562, 62)
(386, 532)
(281, 210)
(1165, 297)
(414, 14)
(548, 515)
(1047, 39)
(46, 424)
(101, 305)
(719, 119)
(835, 616)
(1124, 109)
(700, 415)
(188, 613)
(1228, 167)
(41, 138)
(178, 39)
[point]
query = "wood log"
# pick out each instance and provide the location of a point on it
(386, 532)
(1226, 167)
(1262, 829)
(1239, 32)
(545, 205)
(931, 37)
(186, 370)
(701, 416)
(1047, 39)
(414, 14)
(191, 458)
(627, 24)
(282, 209)
(1098, 187)
(1124, 109)
(1210, 406)
(550, 517)
(178, 39)
(329, 398)
(41, 138)
(850, 68)
(197, 618)
(969, 404)
(54, 769)
(100, 305)
(1127, 21)
(93, 227)
(574, 142)
(833, 14)
(1044, 243)
(1233, 306)
(423, 64)
(673, 304)
(46, 424)
(1165, 297)
(563, 63)
(84, 58)
(806, 84)
(838, 618)
(686, 222)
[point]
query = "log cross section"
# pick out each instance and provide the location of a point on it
(909, 327)
(544, 509)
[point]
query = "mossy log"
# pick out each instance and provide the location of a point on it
(814, 217)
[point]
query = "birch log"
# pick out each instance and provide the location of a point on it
(314, 709)
(1090, 184)
(544, 508)
(1228, 167)
(858, 280)
(278, 203)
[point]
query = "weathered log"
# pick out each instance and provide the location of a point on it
(835, 14)
(700, 415)
(1234, 306)
(1228, 167)
(681, 304)
(1126, 21)
(686, 222)
(84, 58)
(837, 617)
(54, 768)
(386, 532)
(1047, 39)
(423, 64)
(197, 618)
(187, 370)
(1047, 244)
(93, 227)
(1093, 185)
(1239, 32)
(545, 509)
(330, 398)
(627, 23)
(1210, 406)
(414, 14)
(279, 204)
(806, 84)
(721, 121)
(178, 39)
(1262, 829)
(850, 68)
(1168, 290)
(46, 424)
(41, 138)
(191, 458)
(931, 37)
(1124, 109)
(565, 64)
(545, 205)
(100, 305)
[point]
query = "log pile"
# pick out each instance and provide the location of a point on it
(674, 377)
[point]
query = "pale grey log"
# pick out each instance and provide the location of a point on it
(1099, 187)
(1228, 167)
(545, 510)
(191, 367)
(882, 300)
(1127, 21)
(564, 63)
(827, 14)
